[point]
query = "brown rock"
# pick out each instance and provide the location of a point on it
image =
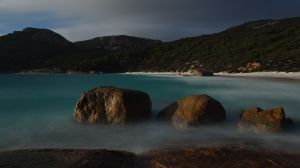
(193, 110)
(202, 72)
(214, 157)
(257, 120)
(112, 105)
(219, 157)
(250, 67)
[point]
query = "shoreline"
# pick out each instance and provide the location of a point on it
(160, 73)
(271, 74)
(280, 75)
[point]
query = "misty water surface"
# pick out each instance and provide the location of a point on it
(36, 112)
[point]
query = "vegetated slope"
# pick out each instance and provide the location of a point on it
(274, 44)
(116, 42)
(266, 45)
(31, 48)
(105, 54)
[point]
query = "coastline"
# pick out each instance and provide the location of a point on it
(160, 73)
(286, 75)
(272, 74)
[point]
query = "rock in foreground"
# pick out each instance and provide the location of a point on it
(56, 158)
(112, 105)
(193, 111)
(257, 120)
(217, 157)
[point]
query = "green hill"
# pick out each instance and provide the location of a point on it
(31, 48)
(266, 45)
(116, 42)
(271, 45)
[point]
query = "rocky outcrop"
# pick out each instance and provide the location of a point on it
(219, 157)
(250, 67)
(112, 105)
(193, 111)
(202, 72)
(225, 157)
(257, 120)
(58, 158)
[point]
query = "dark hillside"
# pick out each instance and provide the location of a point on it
(265, 45)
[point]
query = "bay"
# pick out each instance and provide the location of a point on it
(36, 111)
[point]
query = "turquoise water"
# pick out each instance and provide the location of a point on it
(36, 111)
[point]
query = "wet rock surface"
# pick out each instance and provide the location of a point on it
(219, 157)
(56, 158)
(259, 120)
(215, 157)
(193, 111)
(112, 105)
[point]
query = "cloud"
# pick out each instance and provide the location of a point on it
(159, 19)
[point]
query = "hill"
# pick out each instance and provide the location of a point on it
(31, 48)
(265, 45)
(116, 42)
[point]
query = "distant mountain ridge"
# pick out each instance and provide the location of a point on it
(264, 45)
(116, 42)
(36, 35)
(31, 48)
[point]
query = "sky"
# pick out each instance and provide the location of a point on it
(157, 19)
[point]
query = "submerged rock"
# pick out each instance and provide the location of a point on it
(193, 111)
(112, 105)
(257, 120)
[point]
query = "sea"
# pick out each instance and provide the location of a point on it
(36, 111)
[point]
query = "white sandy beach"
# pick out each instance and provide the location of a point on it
(286, 75)
(161, 73)
(282, 75)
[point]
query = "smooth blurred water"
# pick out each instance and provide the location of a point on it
(36, 111)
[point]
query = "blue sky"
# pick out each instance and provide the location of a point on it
(158, 19)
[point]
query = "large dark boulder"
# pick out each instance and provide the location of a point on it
(112, 105)
(193, 111)
(259, 120)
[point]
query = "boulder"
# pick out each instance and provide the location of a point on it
(259, 120)
(202, 72)
(112, 105)
(193, 111)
